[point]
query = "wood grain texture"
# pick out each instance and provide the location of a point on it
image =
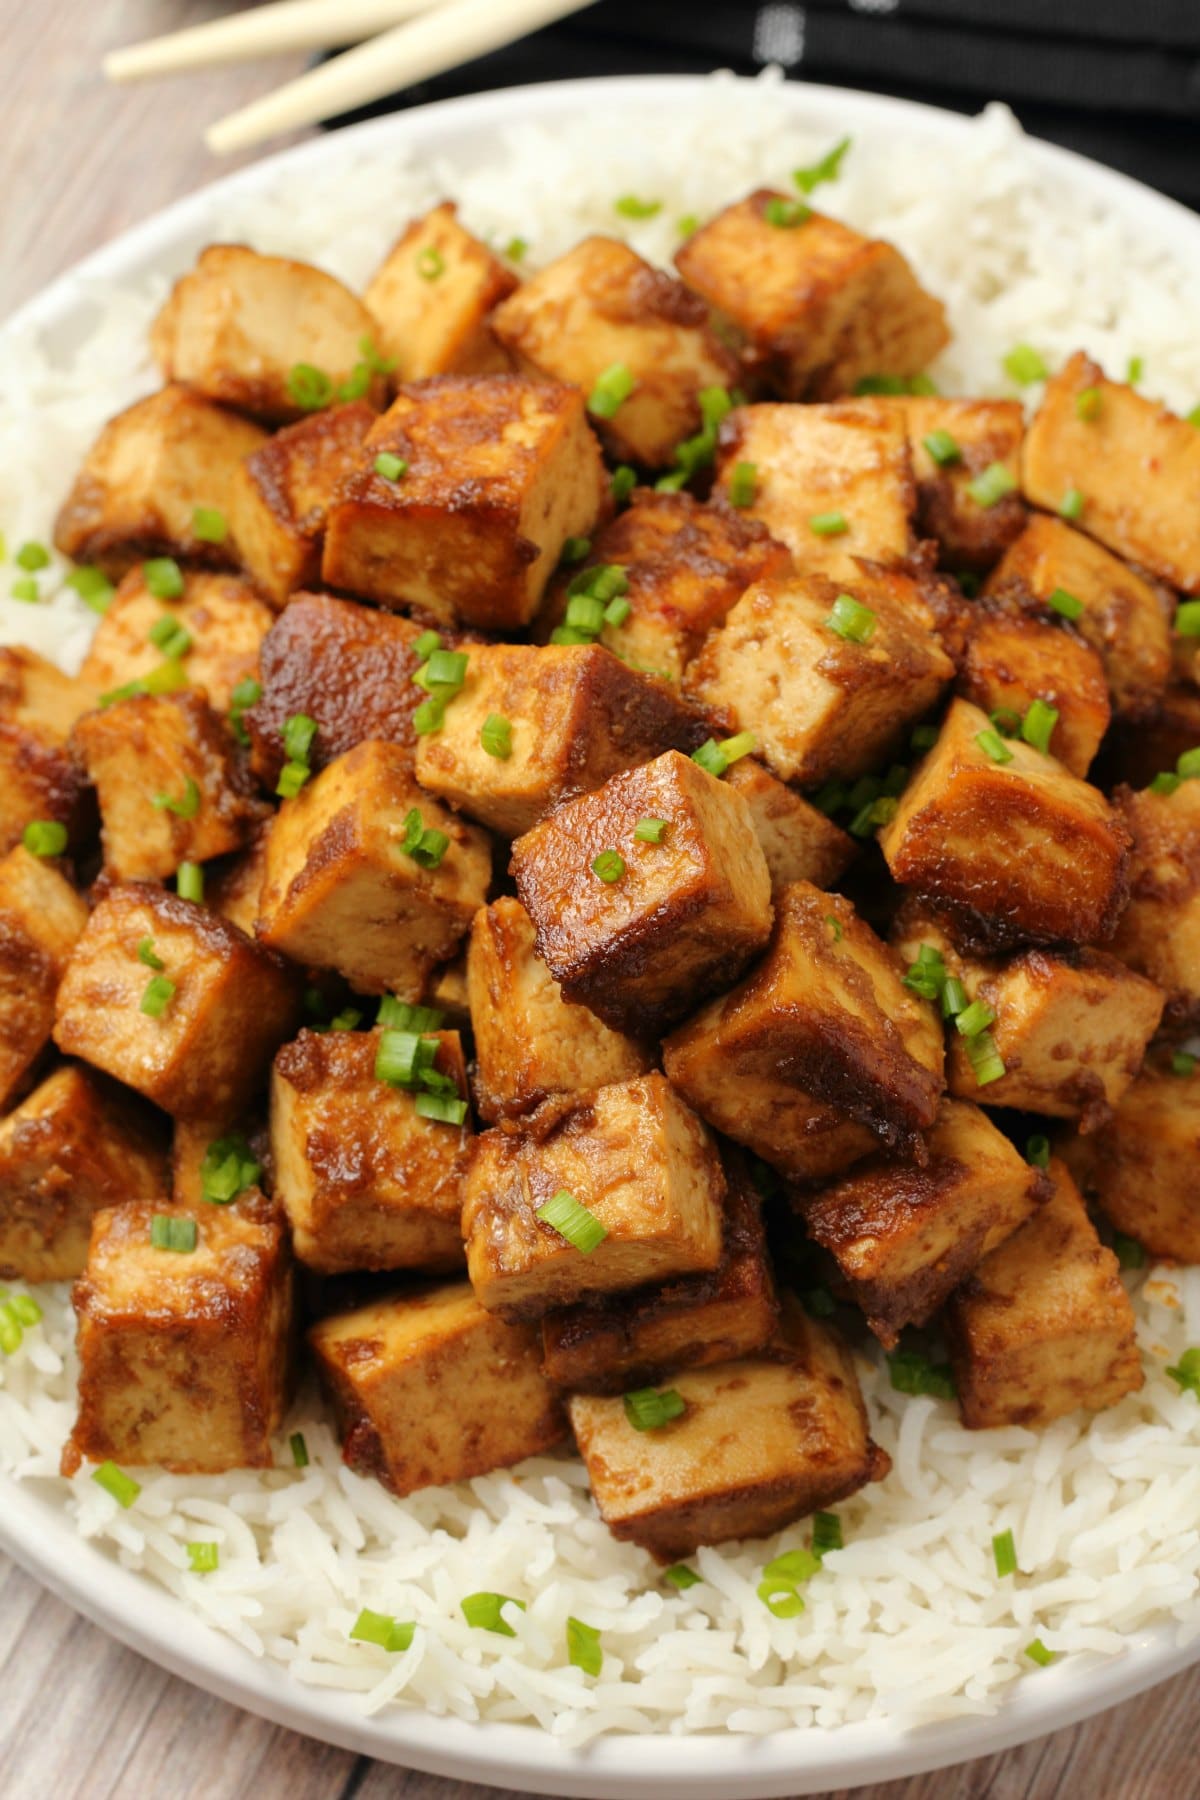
(81, 1718)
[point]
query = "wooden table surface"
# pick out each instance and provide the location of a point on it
(79, 1715)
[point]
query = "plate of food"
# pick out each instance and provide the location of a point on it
(599, 708)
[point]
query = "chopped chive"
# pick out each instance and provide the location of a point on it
(1025, 364)
(184, 808)
(1038, 1653)
(942, 447)
(623, 482)
(828, 524)
(1186, 1373)
(835, 926)
(292, 778)
(189, 882)
(913, 1373)
(516, 249)
(299, 1449)
(32, 556)
(687, 223)
(617, 611)
(45, 837)
(123, 1488)
(483, 1612)
(881, 384)
(827, 1534)
(1193, 418)
(11, 1334)
(681, 1577)
(167, 678)
(1037, 1151)
(583, 1647)
(157, 996)
(495, 735)
(426, 644)
(991, 485)
(574, 550)
(390, 466)
(785, 214)
(1037, 727)
(93, 587)
(922, 384)
(397, 1059)
(147, 954)
(1165, 782)
(1007, 722)
(429, 716)
(609, 865)
(431, 263)
(924, 737)
(650, 831)
(779, 1589)
(443, 673)
(585, 614)
(347, 1020)
(647, 1409)
(1187, 618)
(1072, 503)
(1064, 603)
(246, 694)
(1129, 1252)
(399, 1015)
(298, 734)
(163, 577)
(828, 168)
(954, 997)
(993, 746)
(227, 1169)
(447, 1109)
(716, 757)
(1087, 404)
(1004, 1551)
(613, 387)
(743, 484)
(1183, 1063)
(25, 1310)
(169, 1233)
(169, 636)
(630, 207)
(203, 1558)
(308, 387)
(1135, 369)
(984, 1058)
(1187, 765)
(851, 620)
(572, 1221)
(381, 1629)
(25, 588)
(209, 525)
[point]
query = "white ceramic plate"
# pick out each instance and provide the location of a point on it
(39, 1534)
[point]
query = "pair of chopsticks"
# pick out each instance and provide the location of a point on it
(416, 39)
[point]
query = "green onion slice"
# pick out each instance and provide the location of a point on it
(991, 485)
(495, 735)
(203, 1558)
(1064, 603)
(623, 482)
(227, 1169)
(828, 168)
(993, 746)
(184, 808)
(483, 1612)
(1037, 727)
(630, 207)
(681, 1577)
(572, 1221)
(985, 1060)
(1037, 1151)
(650, 831)
(45, 837)
(648, 1409)
(123, 1488)
(1025, 364)
(209, 525)
(1072, 503)
(299, 1449)
(163, 577)
(382, 1629)
(583, 1647)
(93, 587)
(1038, 1653)
(827, 1534)
(1087, 404)
(158, 994)
(189, 882)
(785, 214)
(170, 1233)
(390, 466)
(828, 524)
(912, 1372)
(851, 620)
(613, 387)
(431, 263)
(942, 447)
(609, 865)
(1129, 1253)
(779, 1589)
(1004, 1551)
(743, 484)
(308, 387)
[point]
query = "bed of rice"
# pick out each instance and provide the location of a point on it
(909, 1620)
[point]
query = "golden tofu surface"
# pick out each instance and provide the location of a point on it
(222, 615)
(1012, 658)
(1140, 1167)
(982, 433)
(431, 298)
(40, 776)
(41, 918)
(1158, 934)
(798, 841)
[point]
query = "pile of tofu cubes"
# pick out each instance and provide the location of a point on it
(600, 805)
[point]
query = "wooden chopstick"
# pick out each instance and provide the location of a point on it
(454, 33)
(264, 31)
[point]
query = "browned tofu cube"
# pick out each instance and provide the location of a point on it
(1124, 617)
(1134, 465)
(530, 1043)
(223, 617)
(431, 296)
(199, 1049)
(968, 437)
(685, 565)
(820, 306)
(634, 1156)
(819, 702)
(1012, 658)
(497, 473)
(820, 1052)
(799, 843)
(347, 666)
(904, 1236)
(170, 789)
(41, 917)
(281, 495)
(627, 1341)
(761, 1442)
(1044, 1326)
(184, 1356)
(1159, 931)
(1140, 1168)
(140, 484)
(233, 885)
(846, 466)
(665, 922)
(342, 890)
(602, 305)
(40, 777)
(237, 326)
(576, 715)
(367, 1182)
(77, 1143)
(1017, 850)
(429, 1388)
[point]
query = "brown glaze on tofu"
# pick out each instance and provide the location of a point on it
(683, 916)
(635, 1156)
(968, 534)
(1158, 934)
(602, 305)
(1012, 658)
(429, 1388)
(222, 615)
(184, 1357)
(819, 306)
(904, 1235)
(366, 1181)
(232, 1003)
(530, 1043)
(821, 1053)
(577, 716)
(41, 918)
(40, 777)
(233, 884)
(1140, 1168)
(798, 841)
(341, 892)
(1044, 1326)
(763, 1441)
(431, 298)
(499, 471)
(76, 1144)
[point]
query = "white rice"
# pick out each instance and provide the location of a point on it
(909, 1621)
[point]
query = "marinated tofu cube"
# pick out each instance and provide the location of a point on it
(184, 1356)
(799, 843)
(761, 1442)
(820, 306)
(347, 666)
(76, 1144)
(574, 715)
(240, 327)
(170, 790)
(366, 1180)
(429, 1388)
(659, 923)
(1158, 934)
(142, 481)
(826, 677)
(1043, 1326)
(1140, 1168)
(530, 1043)
(41, 917)
(196, 1036)
(626, 1341)
(1013, 658)
(369, 875)
(952, 443)
(40, 777)
(282, 493)
(223, 619)
(233, 885)
(1124, 616)
(635, 1157)
(904, 1236)
(431, 298)
(1016, 848)
(845, 466)
(821, 1052)
(491, 474)
(684, 564)
(600, 307)
(1134, 464)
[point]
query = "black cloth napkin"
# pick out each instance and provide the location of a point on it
(1118, 80)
